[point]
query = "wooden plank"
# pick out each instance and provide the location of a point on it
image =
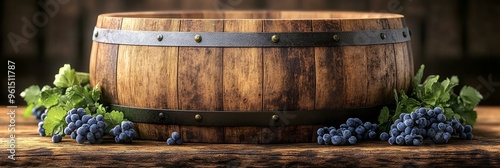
(200, 80)
(289, 80)
(355, 68)
(242, 81)
(138, 64)
(93, 57)
(289, 73)
(329, 70)
(106, 64)
(380, 77)
(242, 70)
(33, 150)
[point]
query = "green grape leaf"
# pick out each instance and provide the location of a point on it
(54, 122)
(113, 118)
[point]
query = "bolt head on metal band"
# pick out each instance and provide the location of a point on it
(275, 38)
(382, 36)
(159, 37)
(198, 117)
(336, 38)
(161, 116)
(96, 34)
(197, 38)
(275, 118)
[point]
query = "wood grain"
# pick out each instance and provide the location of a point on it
(106, 63)
(355, 67)
(200, 80)
(329, 70)
(135, 87)
(33, 150)
(289, 73)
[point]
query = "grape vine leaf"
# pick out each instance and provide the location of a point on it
(54, 122)
(113, 118)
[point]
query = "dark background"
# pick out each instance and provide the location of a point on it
(451, 37)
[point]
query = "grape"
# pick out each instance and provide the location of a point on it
(469, 136)
(81, 112)
(80, 139)
(446, 136)
(91, 121)
(346, 134)
(56, 138)
(360, 129)
(320, 132)
(352, 140)
(384, 136)
(409, 139)
(441, 127)
(74, 117)
(449, 129)
(392, 140)
(171, 141)
(68, 118)
(326, 138)
(333, 132)
(417, 142)
(178, 141)
(441, 117)
(82, 130)
(400, 140)
(73, 135)
(86, 118)
(431, 113)
(401, 126)
(467, 129)
(350, 122)
(336, 140)
(320, 140)
(414, 115)
(121, 134)
(372, 134)
(78, 123)
(41, 130)
(368, 125)
(409, 122)
(343, 126)
(67, 131)
(394, 132)
(406, 117)
(38, 111)
(438, 110)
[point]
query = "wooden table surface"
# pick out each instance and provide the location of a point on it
(33, 150)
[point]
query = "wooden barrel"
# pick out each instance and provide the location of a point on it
(248, 76)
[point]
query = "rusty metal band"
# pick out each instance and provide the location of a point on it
(243, 118)
(251, 39)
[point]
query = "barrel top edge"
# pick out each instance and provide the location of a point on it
(253, 15)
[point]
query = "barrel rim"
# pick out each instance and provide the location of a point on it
(216, 15)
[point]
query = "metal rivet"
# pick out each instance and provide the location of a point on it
(96, 34)
(197, 38)
(161, 116)
(275, 38)
(336, 38)
(404, 34)
(159, 37)
(382, 36)
(198, 117)
(275, 118)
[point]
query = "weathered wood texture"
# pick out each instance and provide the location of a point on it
(249, 79)
(36, 151)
